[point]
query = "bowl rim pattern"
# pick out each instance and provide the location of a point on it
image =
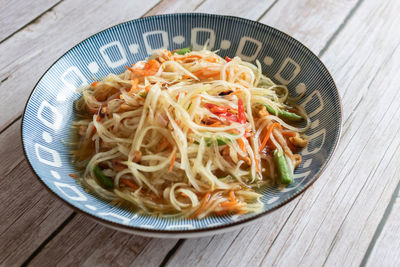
(211, 229)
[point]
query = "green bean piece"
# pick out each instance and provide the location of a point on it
(284, 114)
(104, 180)
(283, 169)
(221, 142)
(183, 51)
(209, 141)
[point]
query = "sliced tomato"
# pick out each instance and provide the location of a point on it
(229, 116)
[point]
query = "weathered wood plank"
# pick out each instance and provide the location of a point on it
(58, 30)
(250, 9)
(386, 249)
(311, 22)
(254, 8)
(171, 6)
(16, 14)
(336, 219)
(17, 60)
(149, 252)
(210, 251)
(83, 242)
(29, 213)
(27, 218)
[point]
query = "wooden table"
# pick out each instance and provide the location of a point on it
(349, 216)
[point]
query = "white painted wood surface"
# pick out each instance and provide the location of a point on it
(18, 13)
(386, 249)
(349, 216)
(33, 49)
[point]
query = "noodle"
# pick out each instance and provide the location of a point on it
(187, 134)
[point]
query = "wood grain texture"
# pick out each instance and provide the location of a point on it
(213, 250)
(83, 242)
(309, 21)
(26, 56)
(171, 6)
(335, 219)
(387, 246)
(86, 251)
(29, 214)
(332, 223)
(17, 13)
(250, 9)
(254, 8)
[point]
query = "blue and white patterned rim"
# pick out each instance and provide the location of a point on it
(48, 113)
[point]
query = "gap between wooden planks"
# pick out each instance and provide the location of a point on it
(16, 14)
(336, 218)
(30, 213)
(193, 246)
(32, 50)
(276, 238)
(20, 234)
(387, 246)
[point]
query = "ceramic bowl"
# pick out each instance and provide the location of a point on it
(49, 111)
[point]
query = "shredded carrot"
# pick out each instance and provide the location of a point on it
(211, 59)
(234, 131)
(205, 73)
(134, 86)
(73, 175)
(243, 84)
(289, 134)
(241, 144)
(198, 72)
(163, 145)
(128, 183)
(237, 92)
(268, 134)
(147, 88)
(228, 204)
(94, 84)
(172, 161)
(221, 212)
(191, 56)
(232, 196)
(130, 69)
(184, 195)
(203, 204)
